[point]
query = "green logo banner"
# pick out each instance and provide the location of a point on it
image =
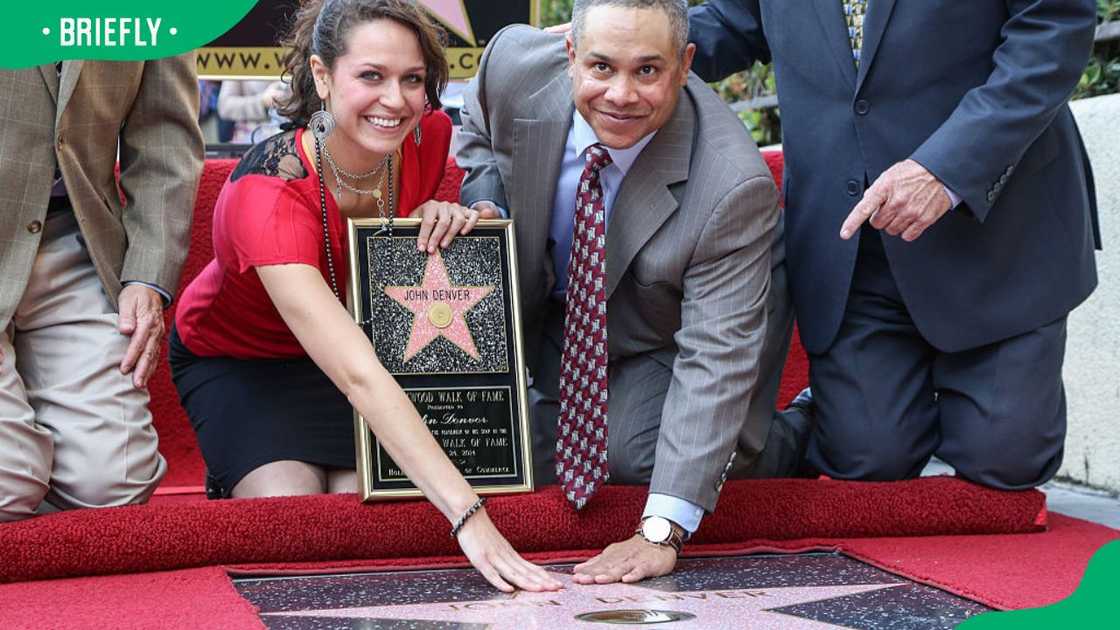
(35, 33)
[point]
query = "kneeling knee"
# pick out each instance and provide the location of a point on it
(281, 478)
(1010, 476)
(881, 465)
(108, 487)
(20, 500)
(629, 470)
(1017, 464)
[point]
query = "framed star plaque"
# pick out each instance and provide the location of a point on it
(447, 326)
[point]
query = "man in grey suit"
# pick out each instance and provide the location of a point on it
(84, 279)
(647, 226)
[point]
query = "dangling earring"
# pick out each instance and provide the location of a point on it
(417, 135)
(321, 123)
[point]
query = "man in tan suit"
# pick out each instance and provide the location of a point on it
(84, 277)
(644, 211)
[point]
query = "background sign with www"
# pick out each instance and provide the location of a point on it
(250, 49)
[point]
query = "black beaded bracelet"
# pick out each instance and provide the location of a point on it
(462, 520)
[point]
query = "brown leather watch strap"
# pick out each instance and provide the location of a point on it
(677, 536)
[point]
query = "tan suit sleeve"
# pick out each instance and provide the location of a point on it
(161, 156)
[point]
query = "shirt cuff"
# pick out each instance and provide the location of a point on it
(501, 210)
(954, 198)
(684, 513)
(164, 295)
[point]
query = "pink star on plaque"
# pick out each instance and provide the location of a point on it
(438, 308)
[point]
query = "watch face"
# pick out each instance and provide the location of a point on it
(656, 529)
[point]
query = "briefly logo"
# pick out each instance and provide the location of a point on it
(85, 32)
(39, 33)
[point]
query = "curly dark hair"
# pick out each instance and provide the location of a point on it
(320, 28)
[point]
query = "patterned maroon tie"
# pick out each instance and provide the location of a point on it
(581, 450)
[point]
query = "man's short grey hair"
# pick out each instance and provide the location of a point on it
(677, 10)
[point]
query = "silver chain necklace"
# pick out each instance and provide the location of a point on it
(340, 174)
(320, 150)
(339, 169)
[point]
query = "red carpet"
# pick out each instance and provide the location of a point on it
(176, 438)
(1006, 572)
(1010, 571)
(179, 531)
(323, 528)
(187, 600)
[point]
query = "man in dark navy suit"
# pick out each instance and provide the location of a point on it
(940, 220)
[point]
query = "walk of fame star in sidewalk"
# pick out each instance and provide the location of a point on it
(822, 590)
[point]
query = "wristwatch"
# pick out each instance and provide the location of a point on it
(662, 532)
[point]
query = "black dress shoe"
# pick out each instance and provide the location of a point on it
(801, 417)
(786, 443)
(804, 402)
(214, 490)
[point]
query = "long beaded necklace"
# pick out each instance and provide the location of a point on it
(387, 164)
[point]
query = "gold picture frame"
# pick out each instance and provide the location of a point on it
(447, 326)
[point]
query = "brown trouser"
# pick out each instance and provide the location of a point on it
(74, 431)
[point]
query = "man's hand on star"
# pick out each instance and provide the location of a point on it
(906, 200)
(629, 561)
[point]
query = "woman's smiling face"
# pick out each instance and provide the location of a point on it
(376, 91)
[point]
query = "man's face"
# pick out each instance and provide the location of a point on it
(627, 73)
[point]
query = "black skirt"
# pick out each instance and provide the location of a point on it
(251, 412)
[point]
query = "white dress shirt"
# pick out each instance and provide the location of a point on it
(580, 138)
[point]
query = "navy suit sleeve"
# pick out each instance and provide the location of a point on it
(728, 37)
(1044, 47)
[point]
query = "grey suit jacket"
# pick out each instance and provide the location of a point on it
(151, 108)
(688, 244)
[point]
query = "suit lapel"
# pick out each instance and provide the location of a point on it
(50, 77)
(831, 15)
(878, 14)
(644, 202)
(69, 79)
(538, 151)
